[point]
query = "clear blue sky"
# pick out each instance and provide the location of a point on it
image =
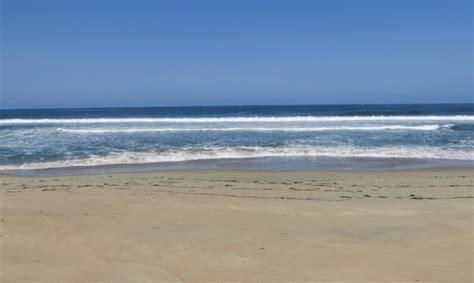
(103, 53)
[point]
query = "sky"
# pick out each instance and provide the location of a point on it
(103, 53)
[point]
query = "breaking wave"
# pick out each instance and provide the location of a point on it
(190, 154)
(259, 129)
(237, 119)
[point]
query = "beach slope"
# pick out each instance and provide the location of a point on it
(202, 226)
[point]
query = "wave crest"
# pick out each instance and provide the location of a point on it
(253, 129)
(237, 119)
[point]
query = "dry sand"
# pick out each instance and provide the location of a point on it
(202, 226)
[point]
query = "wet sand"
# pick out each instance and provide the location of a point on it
(202, 226)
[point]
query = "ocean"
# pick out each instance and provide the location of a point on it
(317, 137)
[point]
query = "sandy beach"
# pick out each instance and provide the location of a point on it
(215, 226)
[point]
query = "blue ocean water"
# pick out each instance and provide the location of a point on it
(267, 137)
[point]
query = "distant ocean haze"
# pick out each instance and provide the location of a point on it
(62, 138)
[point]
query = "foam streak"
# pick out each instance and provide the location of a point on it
(237, 119)
(307, 129)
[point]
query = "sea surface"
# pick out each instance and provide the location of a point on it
(324, 137)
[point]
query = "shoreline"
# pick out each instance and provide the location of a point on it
(270, 164)
(243, 171)
(229, 225)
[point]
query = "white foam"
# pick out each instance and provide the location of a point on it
(189, 154)
(237, 119)
(258, 129)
